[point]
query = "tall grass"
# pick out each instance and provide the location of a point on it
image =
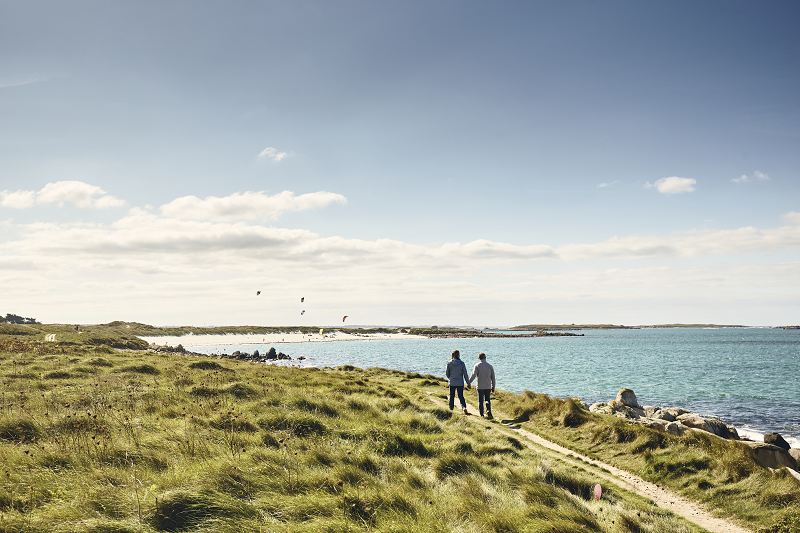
(92, 440)
(721, 473)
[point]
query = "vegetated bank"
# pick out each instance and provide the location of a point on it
(98, 440)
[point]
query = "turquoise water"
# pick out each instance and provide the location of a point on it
(748, 376)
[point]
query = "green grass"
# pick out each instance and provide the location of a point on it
(723, 474)
(94, 440)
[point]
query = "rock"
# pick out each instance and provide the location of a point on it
(301, 358)
(776, 440)
(676, 428)
(255, 354)
(271, 354)
(627, 397)
(282, 355)
(649, 411)
(675, 412)
(772, 456)
(601, 408)
(623, 411)
(180, 348)
(664, 415)
(714, 426)
(654, 423)
(795, 453)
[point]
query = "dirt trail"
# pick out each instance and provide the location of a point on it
(664, 498)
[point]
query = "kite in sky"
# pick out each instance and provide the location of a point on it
(345, 316)
(303, 312)
(258, 292)
(302, 299)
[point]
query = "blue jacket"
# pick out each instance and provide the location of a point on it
(456, 372)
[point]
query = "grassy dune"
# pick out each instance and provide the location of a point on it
(96, 440)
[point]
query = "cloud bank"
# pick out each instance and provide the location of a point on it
(81, 194)
(247, 206)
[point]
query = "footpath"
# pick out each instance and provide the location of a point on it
(664, 498)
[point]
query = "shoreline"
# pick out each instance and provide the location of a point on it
(293, 337)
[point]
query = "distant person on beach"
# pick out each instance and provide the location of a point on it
(456, 374)
(485, 374)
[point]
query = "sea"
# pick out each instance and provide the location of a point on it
(749, 377)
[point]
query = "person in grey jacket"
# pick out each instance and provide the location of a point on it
(456, 374)
(484, 372)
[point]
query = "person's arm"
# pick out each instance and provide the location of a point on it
(493, 383)
(447, 372)
(466, 378)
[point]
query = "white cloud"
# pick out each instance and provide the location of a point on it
(757, 175)
(79, 193)
(17, 200)
(672, 185)
(792, 218)
(603, 185)
(247, 206)
(272, 153)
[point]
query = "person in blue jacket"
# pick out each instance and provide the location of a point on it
(457, 374)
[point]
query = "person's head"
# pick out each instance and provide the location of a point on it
(455, 355)
(482, 356)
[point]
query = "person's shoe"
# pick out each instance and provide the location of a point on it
(465, 411)
(489, 415)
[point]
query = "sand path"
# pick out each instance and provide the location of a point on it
(664, 498)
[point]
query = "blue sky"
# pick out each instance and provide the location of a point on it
(467, 163)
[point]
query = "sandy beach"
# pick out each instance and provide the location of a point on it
(274, 338)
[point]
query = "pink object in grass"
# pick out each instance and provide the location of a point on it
(598, 491)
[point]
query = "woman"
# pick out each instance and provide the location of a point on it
(457, 373)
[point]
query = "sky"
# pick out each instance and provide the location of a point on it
(403, 163)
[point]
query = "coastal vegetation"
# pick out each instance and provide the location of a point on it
(100, 440)
(723, 474)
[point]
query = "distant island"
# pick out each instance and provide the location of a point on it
(553, 327)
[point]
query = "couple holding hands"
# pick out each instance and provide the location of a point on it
(457, 375)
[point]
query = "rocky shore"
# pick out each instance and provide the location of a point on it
(256, 357)
(774, 452)
(462, 334)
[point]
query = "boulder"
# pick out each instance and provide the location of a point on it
(649, 410)
(623, 411)
(601, 408)
(654, 423)
(272, 354)
(676, 428)
(661, 414)
(255, 354)
(795, 453)
(776, 440)
(675, 412)
(714, 426)
(772, 456)
(627, 397)
(282, 355)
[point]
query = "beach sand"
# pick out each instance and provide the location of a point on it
(273, 338)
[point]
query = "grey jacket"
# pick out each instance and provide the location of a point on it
(485, 374)
(456, 372)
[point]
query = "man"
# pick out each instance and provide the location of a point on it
(456, 373)
(485, 374)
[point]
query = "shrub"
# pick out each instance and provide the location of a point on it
(207, 365)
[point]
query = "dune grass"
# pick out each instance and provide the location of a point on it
(94, 440)
(721, 473)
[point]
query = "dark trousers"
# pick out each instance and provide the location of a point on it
(460, 390)
(483, 396)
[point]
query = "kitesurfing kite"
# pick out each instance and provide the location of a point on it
(345, 316)
(302, 299)
(258, 292)
(303, 312)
